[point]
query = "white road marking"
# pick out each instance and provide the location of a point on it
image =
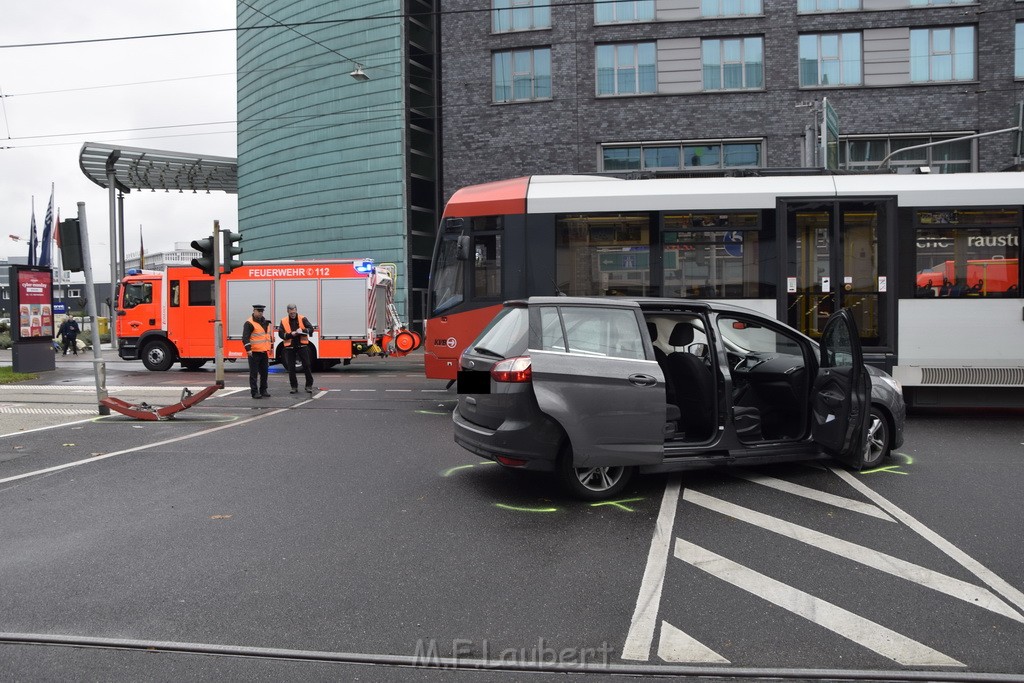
(965, 560)
(43, 429)
(144, 447)
(24, 410)
(645, 615)
(362, 390)
(928, 578)
(676, 646)
(814, 494)
(399, 390)
(864, 632)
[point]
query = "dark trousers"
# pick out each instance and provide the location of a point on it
(69, 343)
(259, 364)
(301, 353)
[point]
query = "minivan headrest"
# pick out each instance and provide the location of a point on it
(682, 335)
(652, 330)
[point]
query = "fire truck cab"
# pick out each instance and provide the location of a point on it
(167, 317)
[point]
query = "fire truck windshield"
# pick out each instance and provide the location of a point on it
(136, 293)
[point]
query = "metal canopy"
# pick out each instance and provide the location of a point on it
(134, 168)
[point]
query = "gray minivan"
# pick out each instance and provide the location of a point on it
(595, 389)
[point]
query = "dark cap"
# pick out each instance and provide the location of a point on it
(258, 307)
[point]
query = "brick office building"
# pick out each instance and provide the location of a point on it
(545, 86)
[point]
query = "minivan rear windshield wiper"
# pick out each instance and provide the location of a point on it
(487, 352)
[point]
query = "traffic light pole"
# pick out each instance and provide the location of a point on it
(98, 364)
(218, 323)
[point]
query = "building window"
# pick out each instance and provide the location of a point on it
(623, 11)
(520, 15)
(808, 6)
(865, 154)
(733, 63)
(1018, 60)
(830, 59)
(939, 55)
(682, 156)
(729, 8)
(522, 75)
(74, 293)
(626, 69)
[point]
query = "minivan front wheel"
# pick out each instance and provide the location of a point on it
(592, 483)
(878, 441)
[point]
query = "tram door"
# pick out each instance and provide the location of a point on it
(838, 258)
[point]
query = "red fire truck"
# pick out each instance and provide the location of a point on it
(167, 317)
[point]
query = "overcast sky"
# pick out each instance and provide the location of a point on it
(172, 93)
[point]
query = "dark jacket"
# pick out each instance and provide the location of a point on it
(69, 329)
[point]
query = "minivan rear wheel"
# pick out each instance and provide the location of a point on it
(592, 483)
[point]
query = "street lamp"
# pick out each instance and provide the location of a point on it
(359, 74)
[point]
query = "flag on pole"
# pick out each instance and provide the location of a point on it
(32, 239)
(142, 251)
(48, 230)
(56, 230)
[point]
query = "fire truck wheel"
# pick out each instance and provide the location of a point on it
(158, 356)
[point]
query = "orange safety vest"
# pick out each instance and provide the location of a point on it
(260, 338)
(303, 339)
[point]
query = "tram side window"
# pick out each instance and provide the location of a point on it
(603, 254)
(487, 266)
(713, 256)
(970, 253)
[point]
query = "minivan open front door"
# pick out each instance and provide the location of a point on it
(840, 401)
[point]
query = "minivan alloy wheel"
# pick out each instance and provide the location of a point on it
(592, 483)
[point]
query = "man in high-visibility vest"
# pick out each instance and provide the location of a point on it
(295, 330)
(257, 339)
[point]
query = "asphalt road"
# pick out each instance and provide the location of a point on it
(344, 535)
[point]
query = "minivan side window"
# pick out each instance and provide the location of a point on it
(612, 332)
(838, 348)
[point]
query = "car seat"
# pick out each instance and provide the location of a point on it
(693, 385)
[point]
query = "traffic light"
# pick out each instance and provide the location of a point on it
(205, 262)
(231, 250)
(70, 241)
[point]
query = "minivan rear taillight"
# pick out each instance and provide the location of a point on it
(512, 370)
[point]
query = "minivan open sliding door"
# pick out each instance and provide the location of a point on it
(593, 373)
(840, 400)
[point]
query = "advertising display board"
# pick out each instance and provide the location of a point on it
(32, 325)
(32, 301)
